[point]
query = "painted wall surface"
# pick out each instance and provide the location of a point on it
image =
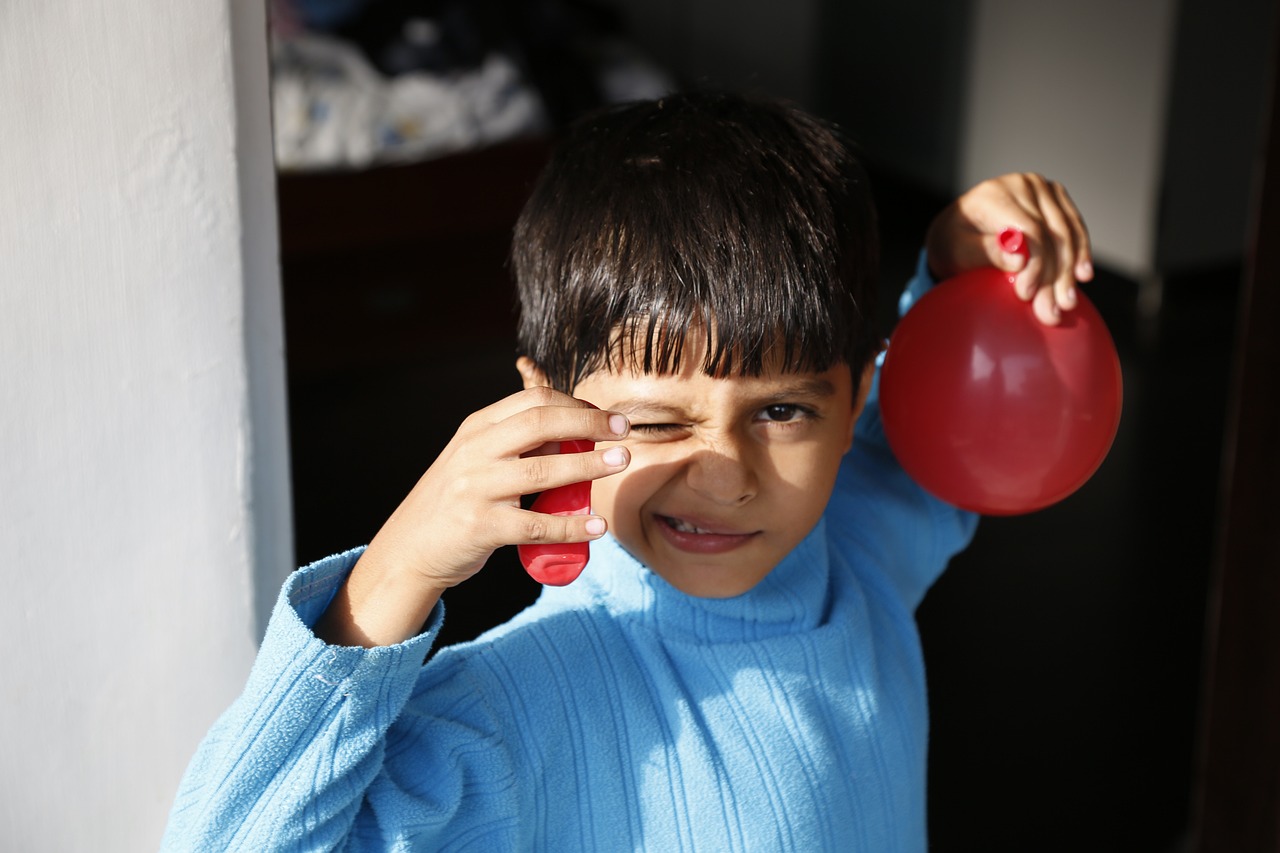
(731, 44)
(947, 94)
(1076, 91)
(138, 485)
(892, 75)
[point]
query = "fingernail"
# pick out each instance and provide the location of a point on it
(615, 457)
(1069, 297)
(595, 526)
(1086, 270)
(617, 424)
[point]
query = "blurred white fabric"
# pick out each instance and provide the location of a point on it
(333, 109)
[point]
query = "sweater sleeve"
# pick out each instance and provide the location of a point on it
(308, 756)
(882, 512)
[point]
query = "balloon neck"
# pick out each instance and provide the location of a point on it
(1012, 241)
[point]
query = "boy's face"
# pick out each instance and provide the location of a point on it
(727, 475)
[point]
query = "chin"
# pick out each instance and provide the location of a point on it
(713, 581)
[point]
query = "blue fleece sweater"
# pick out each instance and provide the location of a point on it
(615, 714)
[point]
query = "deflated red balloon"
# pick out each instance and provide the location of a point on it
(991, 410)
(559, 564)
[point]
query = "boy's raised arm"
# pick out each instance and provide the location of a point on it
(873, 491)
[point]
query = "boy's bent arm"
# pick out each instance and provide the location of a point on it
(296, 761)
(467, 505)
(381, 604)
(320, 751)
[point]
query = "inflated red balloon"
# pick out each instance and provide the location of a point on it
(988, 408)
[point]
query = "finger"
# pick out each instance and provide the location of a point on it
(1012, 201)
(514, 526)
(539, 473)
(529, 431)
(1045, 307)
(520, 401)
(965, 235)
(1061, 247)
(1084, 245)
(509, 480)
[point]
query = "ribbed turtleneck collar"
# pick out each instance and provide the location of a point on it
(794, 597)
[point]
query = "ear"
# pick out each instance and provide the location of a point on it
(864, 386)
(531, 373)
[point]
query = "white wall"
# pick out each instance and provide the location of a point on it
(138, 485)
(1076, 91)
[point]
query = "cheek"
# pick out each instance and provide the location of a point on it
(604, 497)
(614, 497)
(621, 497)
(807, 477)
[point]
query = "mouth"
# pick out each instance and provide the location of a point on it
(701, 537)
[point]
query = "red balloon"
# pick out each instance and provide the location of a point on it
(991, 410)
(559, 564)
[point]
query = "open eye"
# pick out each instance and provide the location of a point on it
(784, 413)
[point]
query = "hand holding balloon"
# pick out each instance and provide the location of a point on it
(1054, 256)
(991, 404)
(467, 505)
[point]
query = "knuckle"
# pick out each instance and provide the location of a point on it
(1033, 185)
(537, 471)
(536, 530)
(460, 485)
(541, 395)
(476, 524)
(541, 420)
(469, 424)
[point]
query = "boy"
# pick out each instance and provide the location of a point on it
(737, 668)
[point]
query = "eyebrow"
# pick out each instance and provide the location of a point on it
(812, 387)
(801, 388)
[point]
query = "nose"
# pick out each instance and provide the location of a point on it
(723, 472)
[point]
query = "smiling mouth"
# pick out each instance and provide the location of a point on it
(683, 526)
(688, 536)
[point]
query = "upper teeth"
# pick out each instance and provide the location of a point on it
(686, 527)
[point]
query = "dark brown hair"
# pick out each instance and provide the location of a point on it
(746, 218)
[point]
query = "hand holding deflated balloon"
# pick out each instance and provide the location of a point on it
(468, 504)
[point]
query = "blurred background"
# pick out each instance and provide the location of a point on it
(1064, 648)
(253, 274)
